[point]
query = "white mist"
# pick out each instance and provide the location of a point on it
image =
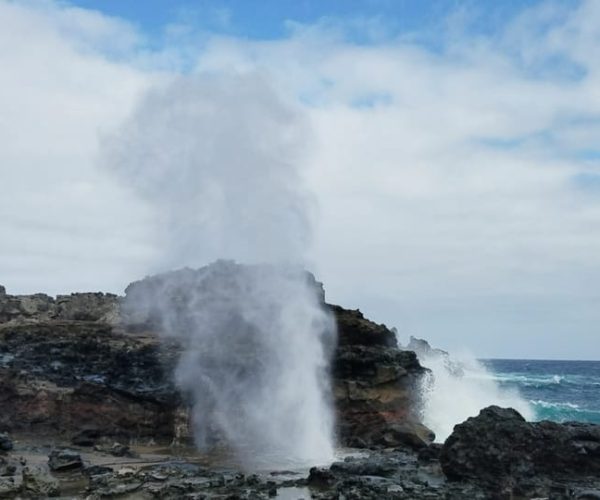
(220, 159)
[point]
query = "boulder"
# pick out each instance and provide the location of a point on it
(498, 448)
(61, 460)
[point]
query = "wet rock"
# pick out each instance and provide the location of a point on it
(38, 483)
(320, 478)
(6, 443)
(430, 453)
(427, 353)
(374, 466)
(8, 467)
(61, 460)
(499, 449)
(9, 486)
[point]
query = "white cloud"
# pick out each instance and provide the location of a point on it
(64, 225)
(452, 203)
(447, 180)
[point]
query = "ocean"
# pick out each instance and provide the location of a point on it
(556, 390)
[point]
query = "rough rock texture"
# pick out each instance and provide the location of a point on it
(62, 376)
(6, 443)
(375, 386)
(83, 363)
(41, 307)
(499, 450)
(60, 460)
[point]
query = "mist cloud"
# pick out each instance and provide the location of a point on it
(219, 158)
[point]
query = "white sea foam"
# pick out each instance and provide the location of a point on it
(548, 404)
(452, 395)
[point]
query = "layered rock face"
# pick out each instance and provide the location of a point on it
(80, 362)
(375, 386)
(61, 376)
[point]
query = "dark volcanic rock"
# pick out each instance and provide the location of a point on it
(60, 460)
(355, 329)
(64, 376)
(7, 467)
(376, 386)
(6, 443)
(499, 449)
(84, 361)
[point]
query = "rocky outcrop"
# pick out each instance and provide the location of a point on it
(87, 363)
(375, 386)
(57, 377)
(40, 307)
(502, 452)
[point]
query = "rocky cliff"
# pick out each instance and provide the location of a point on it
(85, 363)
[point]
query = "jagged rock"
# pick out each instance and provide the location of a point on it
(427, 353)
(85, 361)
(88, 307)
(6, 443)
(430, 453)
(97, 377)
(60, 460)
(38, 483)
(320, 477)
(7, 467)
(355, 329)
(9, 486)
(422, 347)
(41, 307)
(375, 386)
(499, 449)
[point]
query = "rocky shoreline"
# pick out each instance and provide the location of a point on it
(90, 410)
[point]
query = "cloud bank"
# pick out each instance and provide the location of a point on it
(458, 183)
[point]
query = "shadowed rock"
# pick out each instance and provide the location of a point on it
(499, 449)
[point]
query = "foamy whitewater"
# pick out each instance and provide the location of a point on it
(219, 159)
(458, 388)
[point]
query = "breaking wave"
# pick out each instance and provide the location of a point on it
(458, 389)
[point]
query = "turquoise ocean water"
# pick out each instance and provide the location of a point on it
(557, 390)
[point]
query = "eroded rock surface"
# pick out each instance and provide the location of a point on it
(86, 363)
(502, 452)
(375, 386)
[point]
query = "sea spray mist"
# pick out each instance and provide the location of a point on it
(220, 159)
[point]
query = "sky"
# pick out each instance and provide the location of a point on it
(454, 161)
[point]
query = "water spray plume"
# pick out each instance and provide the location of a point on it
(220, 160)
